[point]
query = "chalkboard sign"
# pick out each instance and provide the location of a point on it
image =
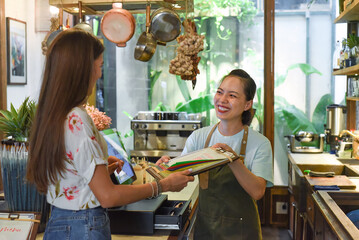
(20, 226)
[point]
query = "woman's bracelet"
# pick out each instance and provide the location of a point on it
(159, 187)
(153, 191)
(158, 191)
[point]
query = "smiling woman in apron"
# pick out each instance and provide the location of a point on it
(227, 207)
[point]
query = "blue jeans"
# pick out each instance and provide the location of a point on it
(89, 224)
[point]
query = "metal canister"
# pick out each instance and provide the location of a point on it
(336, 119)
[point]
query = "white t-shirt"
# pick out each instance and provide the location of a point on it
(258, 157)
(85, 148)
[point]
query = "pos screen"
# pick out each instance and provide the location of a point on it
(127, 174)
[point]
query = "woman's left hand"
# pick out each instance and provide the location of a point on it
(114, 164)
(224, 147)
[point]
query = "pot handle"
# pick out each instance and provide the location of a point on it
(80, 11)
(117, 5)
(148, 16)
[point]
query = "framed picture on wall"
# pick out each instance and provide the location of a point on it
(16, 51)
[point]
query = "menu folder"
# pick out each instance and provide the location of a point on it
(199, 161)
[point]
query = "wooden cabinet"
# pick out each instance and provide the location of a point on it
(330, 220)
(310, 209)
(296, 220)
(318, 225)
(351, 14)
(291, 220)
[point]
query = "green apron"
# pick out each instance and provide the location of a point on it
(225, 209)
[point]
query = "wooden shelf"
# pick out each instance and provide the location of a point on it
(99, 7)
(353, 70)
(350, 13)
(352, 99)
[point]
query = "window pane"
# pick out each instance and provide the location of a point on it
(304, 43)
(233, 33)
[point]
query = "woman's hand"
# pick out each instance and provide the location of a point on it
(175, 182)
(163, 159)
(224, 147)
(255, 186)
(114, 164)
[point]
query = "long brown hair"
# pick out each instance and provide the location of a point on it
(249, 90)
(65, 85)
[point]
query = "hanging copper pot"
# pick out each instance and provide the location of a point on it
(146, 43)
(118, 25)
(165, 25)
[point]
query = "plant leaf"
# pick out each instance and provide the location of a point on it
(6, 114)
(306, 68)
(197, 105)
(154, 75)
(17, 123)
(297, 120)
(279, 80)
(280, 102)
(128, 115)
(184, 89)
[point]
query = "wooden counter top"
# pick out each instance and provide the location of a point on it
(314, 158)
(323, 159)
(324, 216)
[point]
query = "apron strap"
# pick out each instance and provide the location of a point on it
(210, 135)
(204, 177)
(242, 153)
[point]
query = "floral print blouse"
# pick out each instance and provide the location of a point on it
(85, 148)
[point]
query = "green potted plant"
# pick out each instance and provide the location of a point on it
(15, 124)
(20, 195)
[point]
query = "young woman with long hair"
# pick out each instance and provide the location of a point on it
(68, 156)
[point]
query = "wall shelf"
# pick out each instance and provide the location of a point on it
(99, 7)
(352, 99)
(349, 14)
(353, 70)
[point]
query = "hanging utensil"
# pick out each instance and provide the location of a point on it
(165, 25)
(118, 25)
(146, 44)
(83, 25)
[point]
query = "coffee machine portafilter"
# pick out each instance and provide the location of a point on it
(336, 123)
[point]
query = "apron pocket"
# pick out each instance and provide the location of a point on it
(217, 228)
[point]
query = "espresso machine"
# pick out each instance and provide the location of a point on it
(336, 122)
(162, 133)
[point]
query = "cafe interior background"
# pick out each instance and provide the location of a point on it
(304, 43)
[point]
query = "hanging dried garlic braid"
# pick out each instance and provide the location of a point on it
(53, 27)
(186, 61)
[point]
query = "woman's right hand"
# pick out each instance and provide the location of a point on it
(175, 182)
(163, 159)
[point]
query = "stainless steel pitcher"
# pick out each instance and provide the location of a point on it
(336, 119)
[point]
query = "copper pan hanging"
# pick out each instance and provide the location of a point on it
(118, 25)
(146, 43)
